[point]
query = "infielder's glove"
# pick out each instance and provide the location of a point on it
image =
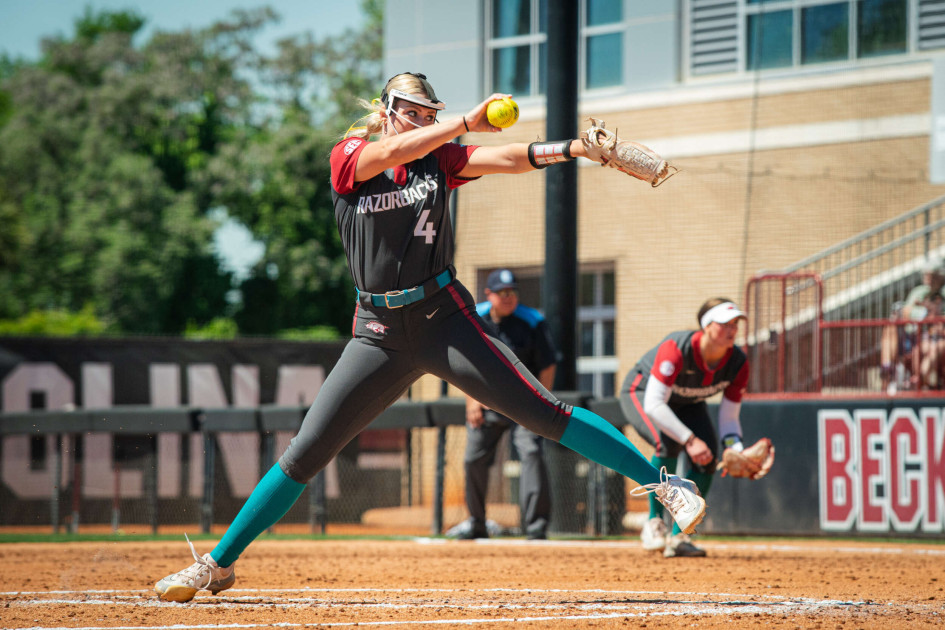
(603, 145)
(753, 462)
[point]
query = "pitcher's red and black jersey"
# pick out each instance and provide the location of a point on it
(395, 227)
(677, 363)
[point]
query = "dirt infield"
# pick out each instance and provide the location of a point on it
(494, 584)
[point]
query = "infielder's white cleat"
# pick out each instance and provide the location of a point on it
(680, 496)
(203, 575)
(654, 533)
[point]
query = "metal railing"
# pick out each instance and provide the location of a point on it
(824, 324)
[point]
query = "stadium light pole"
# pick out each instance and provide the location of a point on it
(559, 290)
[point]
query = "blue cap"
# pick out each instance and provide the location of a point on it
(501, 279)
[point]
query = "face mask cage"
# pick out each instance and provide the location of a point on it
(431, 102)
(388, 98)
(416, 99)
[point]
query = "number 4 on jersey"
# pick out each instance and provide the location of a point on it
(425, 228)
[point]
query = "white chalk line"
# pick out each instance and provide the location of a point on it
(660, 603)
(709, 545)
(642, 604)
(661, 611)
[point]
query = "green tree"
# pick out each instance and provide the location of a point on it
(113, 159)
(277, 182)
(97, 162)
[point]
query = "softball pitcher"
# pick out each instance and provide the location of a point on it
(414, 317)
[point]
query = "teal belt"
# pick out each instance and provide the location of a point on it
(397, 299)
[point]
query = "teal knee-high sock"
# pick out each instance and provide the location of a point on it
(598, 440)
(656, 508)
(275, 493)
(703, 481)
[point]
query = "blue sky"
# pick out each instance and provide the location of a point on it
(24, 22)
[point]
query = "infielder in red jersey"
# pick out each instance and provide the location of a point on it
(413, 316)
(663, 397)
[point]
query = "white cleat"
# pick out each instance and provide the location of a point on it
(680, 496)
(203, 575)
(653, 535)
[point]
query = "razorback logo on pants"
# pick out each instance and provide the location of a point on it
(376, 327)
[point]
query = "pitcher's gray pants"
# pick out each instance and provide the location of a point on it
(440, 335)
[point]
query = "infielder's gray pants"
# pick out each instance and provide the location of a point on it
(392, 348)
(534, 495)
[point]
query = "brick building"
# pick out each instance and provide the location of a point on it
(796, 124)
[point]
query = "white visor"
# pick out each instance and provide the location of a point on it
(721, 313)
(416, 99)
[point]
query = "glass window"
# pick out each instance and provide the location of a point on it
(587, 339)
(770, 40)
(516, 46)
(610, 288)
(825, 33)
(607, 387)
(511, 69)
(586, 289)
(604, 56)
(881, 27)
(604, 11)
(784, 33)
(586, 382)
(597, 362)
(511, 18)
(608, 338)
(529, 289)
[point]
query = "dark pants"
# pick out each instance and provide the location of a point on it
(534, 496)
(391, 348)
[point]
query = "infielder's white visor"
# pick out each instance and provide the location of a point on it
(416, 99)
(721, 313)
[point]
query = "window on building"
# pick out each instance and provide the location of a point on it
(603, 43)
(783, 33)
(769, 40)
(881, 27)
(825, 33)
(511, 68)
(767, 34)
(597, 362)
(517, 45)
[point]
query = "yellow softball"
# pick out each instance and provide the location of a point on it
(502, 113)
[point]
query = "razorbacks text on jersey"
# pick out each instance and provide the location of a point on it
(395, 227)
